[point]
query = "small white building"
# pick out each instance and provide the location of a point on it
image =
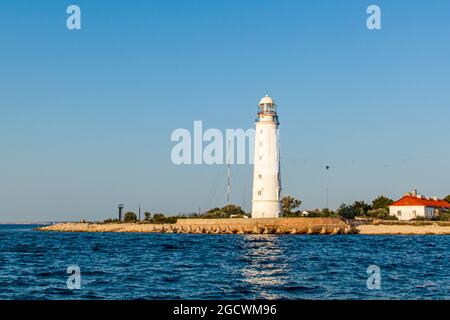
(413, 206)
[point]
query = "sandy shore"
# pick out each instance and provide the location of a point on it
(403, 229)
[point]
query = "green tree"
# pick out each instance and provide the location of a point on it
(328, 213)
(130, 217)
(361, 207)
(346, 212)
(447, 198)
(147, 216)
(159, 217)
(288, 205)
(232, 210)
(225, 212)
(382, 203)
(214, 213)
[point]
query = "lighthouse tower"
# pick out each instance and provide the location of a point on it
(266, 201)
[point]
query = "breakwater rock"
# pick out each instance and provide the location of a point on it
(219, 226)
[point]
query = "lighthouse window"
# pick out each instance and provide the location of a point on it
(261, 131)
(260, 157)
(259, 192)
(260, 176)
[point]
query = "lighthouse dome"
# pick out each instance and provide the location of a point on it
(266, 100)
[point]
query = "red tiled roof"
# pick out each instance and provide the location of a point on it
(415, 201)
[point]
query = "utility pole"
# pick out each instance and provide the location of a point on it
(328, 167)
(243, 198)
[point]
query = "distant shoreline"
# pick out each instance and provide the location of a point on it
(28, 223)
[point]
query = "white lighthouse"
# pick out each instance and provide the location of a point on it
(266, 202)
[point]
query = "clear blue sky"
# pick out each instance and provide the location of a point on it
(86, 116)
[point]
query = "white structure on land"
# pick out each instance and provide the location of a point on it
(413, 206)
(266, 202)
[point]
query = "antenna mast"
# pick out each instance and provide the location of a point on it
(229, 174)
(139, 211)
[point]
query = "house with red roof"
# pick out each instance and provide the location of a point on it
(412, 206)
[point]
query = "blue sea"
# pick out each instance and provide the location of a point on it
(33, 265)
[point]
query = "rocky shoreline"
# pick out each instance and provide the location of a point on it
(218, 226)
(329, 226)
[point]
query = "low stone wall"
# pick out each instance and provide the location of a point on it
(219, 226)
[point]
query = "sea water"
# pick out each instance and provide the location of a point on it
(34, 265)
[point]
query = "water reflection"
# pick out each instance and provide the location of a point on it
(266, 269)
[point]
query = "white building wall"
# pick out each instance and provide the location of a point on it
(408, 212)
(430, 212)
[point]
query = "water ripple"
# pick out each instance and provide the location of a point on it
(188, 266)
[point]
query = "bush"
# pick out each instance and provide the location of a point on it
(160, 218)
(112, 221)
(444, 216)
(324, 213)
(232, 210)
(388, 217)
(130, 217)
(380, 213)
(293, 214)
(422, 222)
(347, 212)
(225, 212)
